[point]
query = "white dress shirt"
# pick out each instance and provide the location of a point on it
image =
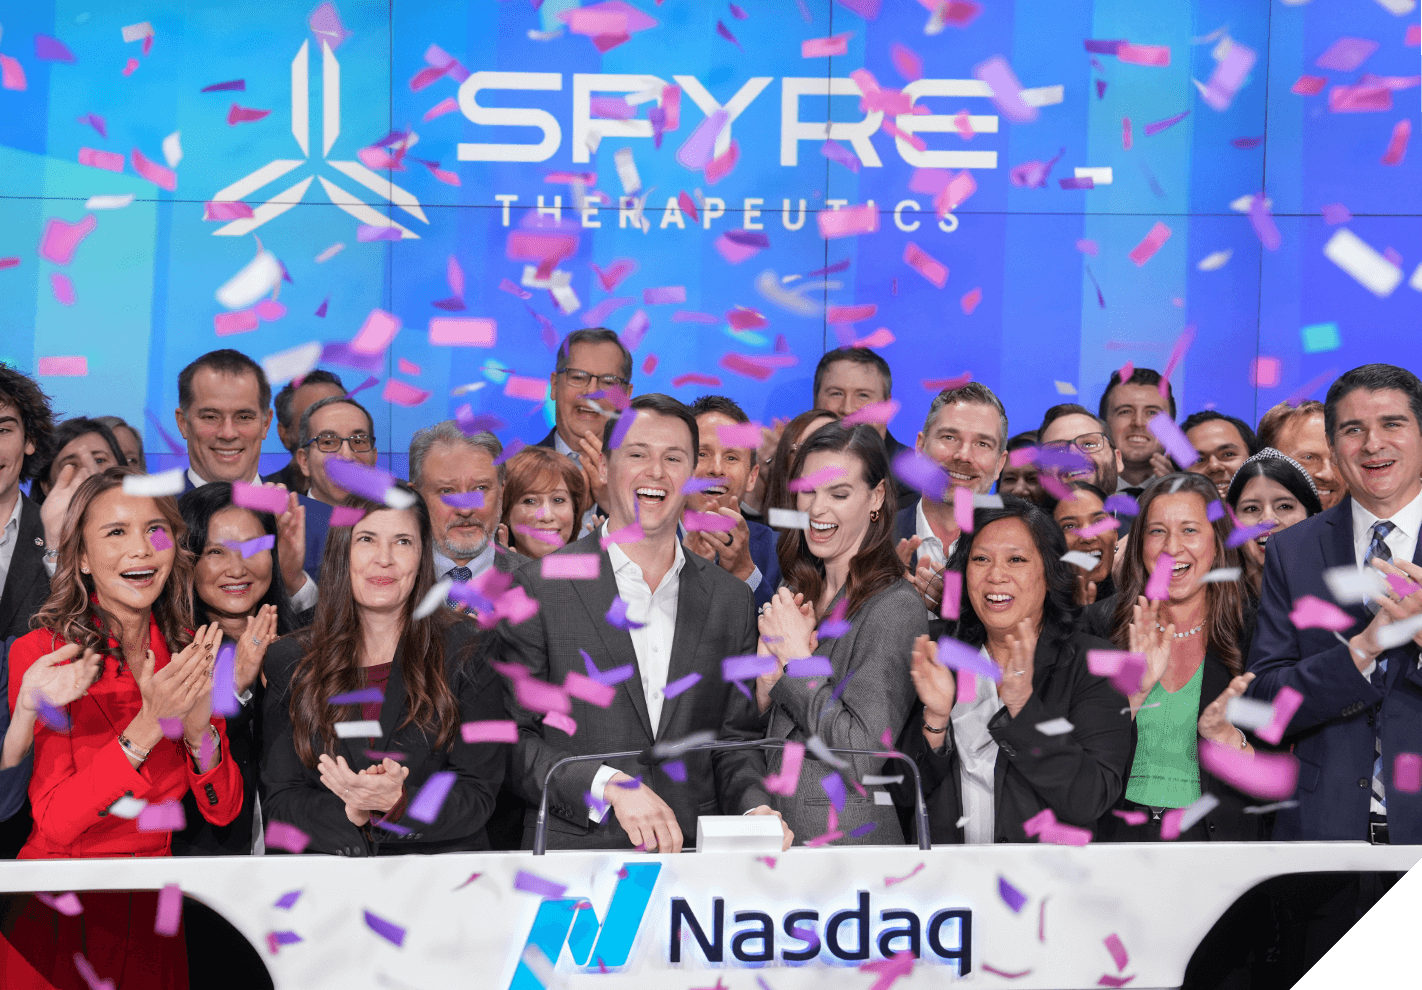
(932, 546)
(477, 566)
(652, 644)
(977, 759)
(9, 536)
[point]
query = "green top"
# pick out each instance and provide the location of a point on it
(1166, 771)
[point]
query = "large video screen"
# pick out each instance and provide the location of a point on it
(1032, 193)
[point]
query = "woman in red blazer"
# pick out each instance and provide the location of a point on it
(123, 588)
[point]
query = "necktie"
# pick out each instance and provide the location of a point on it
(460, 574)
(1378, 548)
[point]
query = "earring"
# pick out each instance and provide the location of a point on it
(874, 516)
(84, 569)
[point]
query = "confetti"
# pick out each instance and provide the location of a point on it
(387, 930)
(571, 566)
(1272, 776)
(1356, 257)
(501, 731)
(1149, 245)
(1155, 127)
(970, 300)
(1124, 669)
(1397, 146)
(49, 49)
(1346, 54)
(1156, 56)
(1010, 895)
(170, 910)
(66, 904)
(61, 239)
(67, 367)
(849, 221)
(822, 47)
(362, 728)
(1407, 773)
(1006, 90)
(1286, 703)
(166, 816)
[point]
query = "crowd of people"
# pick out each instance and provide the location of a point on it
(404, 674)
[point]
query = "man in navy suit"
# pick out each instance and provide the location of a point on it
(748, 551)
(1362, 701)
(224, 412)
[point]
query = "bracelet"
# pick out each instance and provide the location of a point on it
(934, 730)
(1243, 739)
(197, 752)
(131, 749)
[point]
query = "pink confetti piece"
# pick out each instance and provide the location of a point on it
(376, 333)
(12, 74)
(706, 522)
(403, 393)
(881, 337)
(851, 314)
(387, 930)
(616, 273)
(1265, 372)
(447, 105)
(1149, 245)
(698, 149)
(1359, 99)
(1107, 980)
(66, 904)
(345, 515)
(722, 165)
(1117, 948)
(1155, 56)
(61, 238)
(8, 263)
(1006, 90)
(873, 412)
(226, 211)
(1097, 528)
(571, 566)
(407, 367)
(576, 685)
(849, 221)
(463, 332)
(907, 62)
(1407, 773)
(955, 192)
(111, 161)
(680, 685)
(49, 49)
(1131, 817)
(1126, 136)
(62, 288)
(170, 910)
(1263, 223)
(1271, 776)
(238, 321)
(739, 435)
(161, 542)
(259, 497)
(822, 47)
(696, 378)
(1346, 54)
(1310, 612)
(500, 731)
(1309, 85)
(1157, 589)
(1123, 668)
(1229, 75)
(809, 482)
(159, 175)
(166, 816)
(970, 300)
(1397, 146)
(368, 233)
(1155, 127)
(1286, 703)
(243, 115)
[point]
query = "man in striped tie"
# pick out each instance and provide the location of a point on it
(1362, 690)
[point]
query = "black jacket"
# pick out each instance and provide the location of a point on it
(293, 792)
(244, 743)
(27, 582)
(1079, 774)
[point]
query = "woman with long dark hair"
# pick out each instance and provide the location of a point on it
(844, 599)
(1274, 488)
(1195, 640)
(370, 655)
(122, 588)
(988, 766)
(237, 585)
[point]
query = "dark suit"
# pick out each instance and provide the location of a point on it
(1334, 729)
(906, 528)
(762, 550)
(715, 618)
(27, 582)
(201, 837)
(1079, 774)
(15, 781)
(291, 477)
(902, 492)
(294, 792)
(549, 441)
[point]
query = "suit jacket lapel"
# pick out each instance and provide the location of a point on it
(26, 559)
(692, 604)
(597, 597)
(1337, 540)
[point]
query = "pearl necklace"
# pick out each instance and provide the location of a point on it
(1184, 635)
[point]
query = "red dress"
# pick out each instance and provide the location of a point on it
(77, 776)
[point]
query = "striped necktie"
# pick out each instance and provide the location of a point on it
(1378, 548)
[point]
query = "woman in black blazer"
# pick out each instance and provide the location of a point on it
(988, 759)
(421, 679)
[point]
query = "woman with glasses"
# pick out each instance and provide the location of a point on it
(335, 427)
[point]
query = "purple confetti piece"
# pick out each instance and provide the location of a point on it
(696, 153)
(834, 628)
(738, 13)
(834, 787)
(96, 122)
(636, 329)
(385, 929)
(837, 152)
(426, 804)
(746, 668)
(172, 728)
(224, 697)
(280, 835)
(610, 677)
(1122, 503)
(531, 883)
(1010, 895)
(617, 616)
(1239, 537)
(839, 688)
(159, 539)
(239, 85)
(464, 500)
(340, 353)
(513, 448)
(680, 685)
(1163, 428)
(66, 904)
(1100, 299)
(365, 696)
(380, 755)
(619, 432)
(91, 976)
(248, 548)
(725, 32)
(1006, 90)
(1215, 511)
(1334, 213)
(864, 829)
(394, 827)
(166, 816)
(695, 485)
(632, 784)
(1263, 223)
(1246, 143)
(50, 49)
(748, 238)
(676, 770)
(286, 900)
(810, 667)
(471, 424)
(358, 479)
(1084, 182)
(867, 9)
(1104, 47)
(921, 474)
(957, 655)
(51, 716)
(834, 269)
(1156, 127)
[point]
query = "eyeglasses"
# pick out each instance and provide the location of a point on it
(329, 443)
(582, 379)
(1087, 443)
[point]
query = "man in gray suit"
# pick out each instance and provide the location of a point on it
(669, 616)
(444, 460)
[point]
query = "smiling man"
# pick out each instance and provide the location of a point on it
(849, 378)
(224, 412)
(448, 466)
(965, 434)
(748, 551)
(666, 613)
(1224, 443)
(1127, 408)
(291, 403)
(334, 428)
(1070, 426)
(1298, 432)
(1362, 700)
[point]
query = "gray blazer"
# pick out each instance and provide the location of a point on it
(874, 657)
(715, 619)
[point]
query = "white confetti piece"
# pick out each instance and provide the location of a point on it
(789, 519)
(127, 807)
(1055, 727)
(1351, 586)
(173, 149)
(1249, 713)
(559, 279)
(137, 32)
(566, 298)
(1398, 8)
(1202, 806)
(1078, 559)
(365, 729)
(1416, 280)
(627, 171)
(108, 202)
(255, 280)
(1242, 204)
(992, 500)
(294, 362)
(1221, 575)
(329, 253)
(1356, 257)
(433, 599)
(883, 797)
(154, 485)
(876, 780)
(1100, 175)
(1044, 96)
(1215, 260)
(1065, 388)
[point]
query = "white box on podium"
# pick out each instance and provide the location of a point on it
(738, 833)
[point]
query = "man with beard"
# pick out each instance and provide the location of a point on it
(445, 462)
(748, 551)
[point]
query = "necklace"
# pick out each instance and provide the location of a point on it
(1184, 635)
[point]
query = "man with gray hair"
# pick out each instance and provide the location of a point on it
(965, 434)
(463, 489)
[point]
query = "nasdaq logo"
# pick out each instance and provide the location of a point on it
(572, 921)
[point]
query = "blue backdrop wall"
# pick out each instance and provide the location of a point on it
(137, 299)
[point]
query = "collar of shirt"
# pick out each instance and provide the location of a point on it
(625, 568)
(478, 565)
(1402, 541)
(12, 525)
(198, 480)
(564, 449)
(931, 546)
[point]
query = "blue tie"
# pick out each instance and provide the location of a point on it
(460, 574)
(1378, 548)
